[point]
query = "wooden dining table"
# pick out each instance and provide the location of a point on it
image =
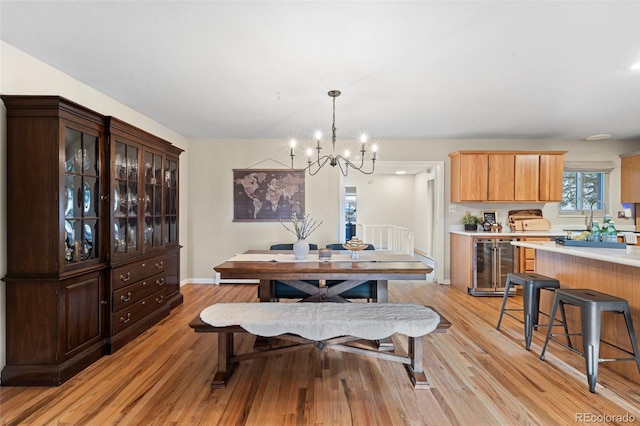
(372, 265)
(270, 266)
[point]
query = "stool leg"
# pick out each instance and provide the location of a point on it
(504, 302)
(632, 335)
(564, 325)
(552, 317)
(536, 310)
(529, 304)
(590, 319)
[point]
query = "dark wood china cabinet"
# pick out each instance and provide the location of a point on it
(92, 237)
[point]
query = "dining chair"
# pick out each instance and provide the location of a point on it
(282, 291)
(289, 246)
(339, 246)
(363, 291)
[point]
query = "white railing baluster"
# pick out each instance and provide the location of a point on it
(387, 237)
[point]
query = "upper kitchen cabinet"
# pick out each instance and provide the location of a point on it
(506, 176)
(630, 178)
(57, 250)
(551, 171)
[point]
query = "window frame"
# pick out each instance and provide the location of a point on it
(603, 168)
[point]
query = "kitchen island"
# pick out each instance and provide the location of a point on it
(611, 271)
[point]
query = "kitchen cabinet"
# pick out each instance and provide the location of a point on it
(551, 175)
(502, 169)
(527, 256)
(506, 176)
(630, 178)
(89, 199)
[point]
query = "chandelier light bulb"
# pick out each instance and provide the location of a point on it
(309, 152)
(363, 138)
(318, 135)
(292, 143)
(346, 153)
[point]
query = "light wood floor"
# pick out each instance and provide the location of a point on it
(479, 376)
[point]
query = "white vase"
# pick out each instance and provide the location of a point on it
(301, 249)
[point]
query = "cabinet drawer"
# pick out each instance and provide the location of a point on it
(134, 313)
(133, 293)
(529, 253)
(529, 265)
(137, 271)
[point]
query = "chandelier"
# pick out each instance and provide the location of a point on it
(341, 160)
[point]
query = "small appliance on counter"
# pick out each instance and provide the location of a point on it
(528, 220)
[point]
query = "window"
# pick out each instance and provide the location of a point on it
(585, 187)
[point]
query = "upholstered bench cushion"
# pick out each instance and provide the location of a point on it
(320, 321)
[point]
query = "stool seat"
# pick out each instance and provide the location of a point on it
(531, 286)
(592, 303)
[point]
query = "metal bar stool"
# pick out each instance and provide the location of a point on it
(531, 285)
(592, 303)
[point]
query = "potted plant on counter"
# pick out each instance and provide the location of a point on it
(470, 222)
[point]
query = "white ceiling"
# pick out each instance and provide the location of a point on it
(419, 69)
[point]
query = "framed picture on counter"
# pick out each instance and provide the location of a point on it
(489, 217)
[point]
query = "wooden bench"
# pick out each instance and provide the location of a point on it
(228, 360)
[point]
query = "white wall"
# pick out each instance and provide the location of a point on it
(383, 199)
(21, 74)
(213, 234)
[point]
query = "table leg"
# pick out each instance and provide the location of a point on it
(264, 291)
(382, 296)
(264, 295)
(225, 367)
(382, 291)
(415, 370)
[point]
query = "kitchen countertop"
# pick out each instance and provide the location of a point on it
(510, 234)
(629, 256)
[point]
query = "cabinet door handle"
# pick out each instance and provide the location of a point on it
(127, 278)
(159, 264)
(127, 319)
(126, 299)
(160, 281)
(160, 299)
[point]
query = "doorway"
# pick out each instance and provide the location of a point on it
(421, 208)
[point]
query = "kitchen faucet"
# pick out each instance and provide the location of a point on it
(590, 224)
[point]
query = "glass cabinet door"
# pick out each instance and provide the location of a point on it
(81, 196)
(171, 200)
(152, 233)
(125, 199)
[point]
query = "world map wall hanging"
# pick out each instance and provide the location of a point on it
(267, 194)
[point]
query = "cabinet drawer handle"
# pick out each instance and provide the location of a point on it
(159, 264)
(126, 299)
(127, 319)
(127, 278)
(160, 299)
(160, 281)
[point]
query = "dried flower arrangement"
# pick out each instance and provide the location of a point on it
(303, 227)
